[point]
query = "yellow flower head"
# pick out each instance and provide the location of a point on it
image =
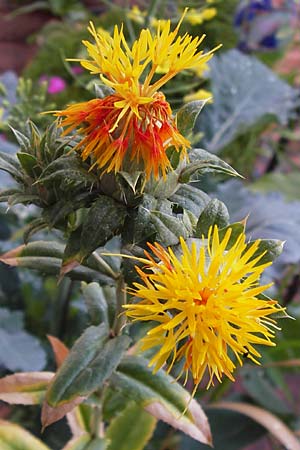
(197, 17)
(135, 123)
(201, 94)
(136, 15)
(206, 304)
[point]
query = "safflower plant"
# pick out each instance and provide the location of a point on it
(117, 169)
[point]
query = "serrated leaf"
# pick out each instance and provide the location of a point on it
(187, 116)
(25, 388)
(124, 436)
(67, 168)
(104, 220)
(89, 364)
(201, 161)
(13, 437)
(162, 397)
(214, 213)
(23, 140)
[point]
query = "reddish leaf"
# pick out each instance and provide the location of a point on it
(59, 349)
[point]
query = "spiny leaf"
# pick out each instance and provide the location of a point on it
(202, 161)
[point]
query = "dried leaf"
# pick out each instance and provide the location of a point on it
(27, 388)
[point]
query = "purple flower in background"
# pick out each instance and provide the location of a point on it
(258, 23)
(56, 84)
(77, 70)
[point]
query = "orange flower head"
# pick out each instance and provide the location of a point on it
(133, 125)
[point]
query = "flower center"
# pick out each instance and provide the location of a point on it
(204, 295)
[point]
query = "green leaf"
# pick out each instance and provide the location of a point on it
(271, 247)
(89, 364)
(104, 220)
(23, 198)
(6, 193)
(63, 207)
(202, 161)
(133, 180)
(47, 258)
(163, 188)
(86, 442)
(124, 436)
(13, 437)
(168, 228)
(23, 140)
(96, 303)
(161, 396)
(29, 164)
(11, 165)
(237, 229)
(33, 227)
(215, 213)
(191, 199)
(187, 116)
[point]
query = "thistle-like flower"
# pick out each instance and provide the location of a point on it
(206, 304)
(133, 125)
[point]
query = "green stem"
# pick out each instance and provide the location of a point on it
(120, 318)
(105, 267)
(96, 422)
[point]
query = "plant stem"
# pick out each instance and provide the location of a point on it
(104, 267)
(120, 318)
